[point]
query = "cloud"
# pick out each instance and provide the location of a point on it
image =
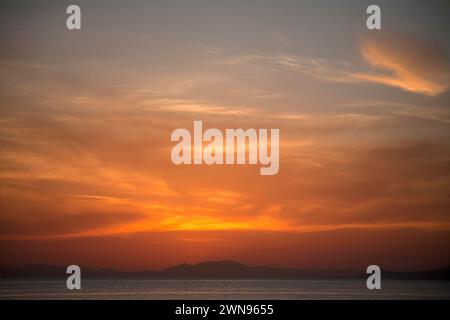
(335, 71)
(438, 114)
(406, 61)
(78, 153)
(397, 59)
(185, 106)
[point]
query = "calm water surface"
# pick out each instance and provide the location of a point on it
(224, 289)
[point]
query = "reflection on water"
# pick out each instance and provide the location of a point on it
(224, 289)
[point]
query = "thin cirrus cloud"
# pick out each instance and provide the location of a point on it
(88, 155)
(413, 64)
(397, 59)
(437, 114)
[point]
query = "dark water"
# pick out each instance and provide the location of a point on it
(224, 289)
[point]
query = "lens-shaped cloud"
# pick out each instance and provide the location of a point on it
(409, 62)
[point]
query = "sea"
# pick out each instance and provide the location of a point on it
(354, 289)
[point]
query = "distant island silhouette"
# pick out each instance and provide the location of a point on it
(214, 270)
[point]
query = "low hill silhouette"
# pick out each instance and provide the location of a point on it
(212, 270)
(442, 274)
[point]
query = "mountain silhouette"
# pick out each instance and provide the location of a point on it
(212, 270)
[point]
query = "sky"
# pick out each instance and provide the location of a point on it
(364, 119)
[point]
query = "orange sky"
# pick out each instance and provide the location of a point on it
(86, 175)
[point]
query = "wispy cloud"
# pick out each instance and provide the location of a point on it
(407, 61)
(397, 59)
(439, 114)
(337, 71)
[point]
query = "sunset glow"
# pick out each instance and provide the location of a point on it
(86, 123)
